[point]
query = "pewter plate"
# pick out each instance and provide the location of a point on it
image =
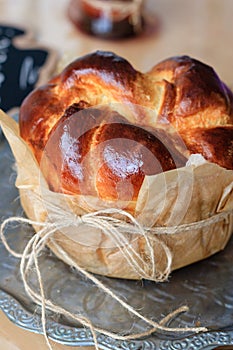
(206, 287)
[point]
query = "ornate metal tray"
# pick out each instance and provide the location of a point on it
(206, 287)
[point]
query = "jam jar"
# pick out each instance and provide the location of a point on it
(109, 19)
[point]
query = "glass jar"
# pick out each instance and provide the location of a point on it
(110, 19)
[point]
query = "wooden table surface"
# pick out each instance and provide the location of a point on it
(201, 28)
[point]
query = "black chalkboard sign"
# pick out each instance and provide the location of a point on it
(19, 67)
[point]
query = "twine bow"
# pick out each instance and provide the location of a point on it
(119, 230)
(111, 226)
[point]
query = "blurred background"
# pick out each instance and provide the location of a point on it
(202, 29)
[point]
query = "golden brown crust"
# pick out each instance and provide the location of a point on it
(183, 92)
(215, 144)
(196, 95)
(96, 78)
(98, 152)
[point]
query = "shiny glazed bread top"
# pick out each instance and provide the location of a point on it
(177, 108)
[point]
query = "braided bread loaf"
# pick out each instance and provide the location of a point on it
(100, 127)
(184, 93)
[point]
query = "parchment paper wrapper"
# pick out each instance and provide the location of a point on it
(189, 210)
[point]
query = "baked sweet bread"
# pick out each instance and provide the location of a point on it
(100, 129)
(184, 93)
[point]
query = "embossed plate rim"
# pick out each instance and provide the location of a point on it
(75, 336)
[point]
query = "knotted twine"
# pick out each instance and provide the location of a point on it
(115, 228)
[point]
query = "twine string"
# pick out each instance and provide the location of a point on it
(191, 226)
(120, 241)
(118, 226)
(35, 245)
(117, 230)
